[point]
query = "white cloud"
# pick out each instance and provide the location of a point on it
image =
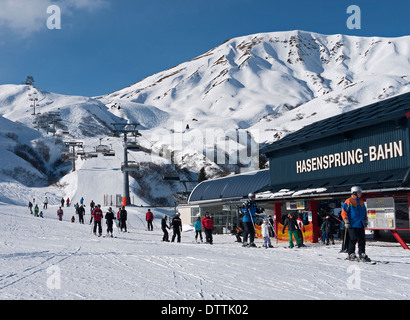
(25, 17)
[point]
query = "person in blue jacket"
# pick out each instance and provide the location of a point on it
(198, 229)
(354, 215)
(249, 210)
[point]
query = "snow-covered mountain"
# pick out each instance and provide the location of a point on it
(276, 82)
(201, 113)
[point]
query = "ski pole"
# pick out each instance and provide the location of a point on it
(344, 239)
(273, 229)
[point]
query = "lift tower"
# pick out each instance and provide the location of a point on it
(126, 129)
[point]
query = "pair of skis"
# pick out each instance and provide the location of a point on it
(372, 262)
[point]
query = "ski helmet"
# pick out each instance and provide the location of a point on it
(355, 189)
(251, 195)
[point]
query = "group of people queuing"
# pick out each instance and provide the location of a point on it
(353, 221)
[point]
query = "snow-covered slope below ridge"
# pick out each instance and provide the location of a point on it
(276, 82)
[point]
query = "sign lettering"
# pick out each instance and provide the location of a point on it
(347, 158)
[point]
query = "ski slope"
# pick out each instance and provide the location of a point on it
(49, 259)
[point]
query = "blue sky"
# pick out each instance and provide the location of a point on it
(106, 45)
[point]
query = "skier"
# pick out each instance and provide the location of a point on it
(72, 219)
(97, 215)
(176, 227)
(164, 227)
(62, 202)
(60, 214)
(81, 212)
(92, 205)
(249, 209)
(45, 203)
(82, 201)
(292, 225)
(123, 219)
(208, 225)
(41, 214)
(354, 214)
(238, 232)
(109, 218)
(149, 217)
(301, 228)
(30, 206)
(329, 226)
(265, 235)
(198, 229)
(68, 202)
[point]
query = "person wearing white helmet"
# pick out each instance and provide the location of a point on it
(249, 210)
(354, 214)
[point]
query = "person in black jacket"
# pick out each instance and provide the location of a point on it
(292, 225)
(176, 227)
(164, 227)
(329, 226)
(123, 219)
(81, 212)
(109, 220)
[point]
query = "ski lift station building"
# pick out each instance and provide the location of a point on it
(312, 170)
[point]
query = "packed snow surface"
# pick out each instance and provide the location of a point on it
(49, 259)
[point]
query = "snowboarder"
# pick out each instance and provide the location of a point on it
(45, 203)
(292, 225)
(354, 214)
(149, 217)
(109, 218)
(81, 212)
(41, 214)
(60, 214)
(123, 219)
(265, 235)
(164, 227)
(176, 227)
(198, 229)
(36, 210)
(249, 209)
(208, 225)
(97, 215)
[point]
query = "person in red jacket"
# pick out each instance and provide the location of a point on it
(149, 217)
(97, 216)
(208, 225)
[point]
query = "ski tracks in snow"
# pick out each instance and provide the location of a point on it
(47, 259)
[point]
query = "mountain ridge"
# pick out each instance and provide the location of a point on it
(245, 93)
